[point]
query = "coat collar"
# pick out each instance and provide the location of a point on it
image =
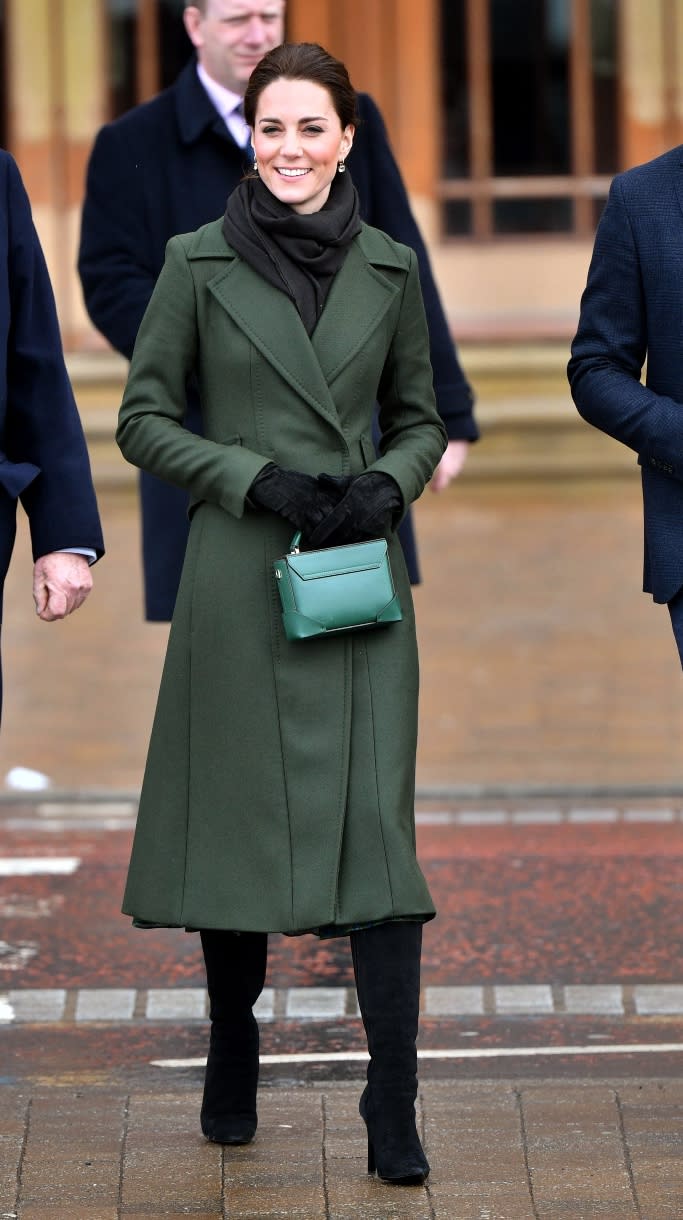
(359, 298)
(195, 112)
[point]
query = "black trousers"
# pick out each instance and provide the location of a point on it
(676, 612)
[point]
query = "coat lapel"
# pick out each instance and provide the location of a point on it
(272, 323)
(359, 299)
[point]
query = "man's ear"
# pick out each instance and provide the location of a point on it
(192, 20)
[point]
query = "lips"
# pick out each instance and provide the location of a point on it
(292, 174)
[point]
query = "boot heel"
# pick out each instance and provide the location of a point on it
(372, 1164)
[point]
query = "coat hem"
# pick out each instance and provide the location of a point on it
(324, 932)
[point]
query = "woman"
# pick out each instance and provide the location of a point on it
(279, 787)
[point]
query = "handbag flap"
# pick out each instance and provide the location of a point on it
(357, 557)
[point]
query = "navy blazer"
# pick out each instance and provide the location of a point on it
(43, 456)
(632, 309)
(167, 167)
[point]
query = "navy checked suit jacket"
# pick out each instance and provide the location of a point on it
(632, 311)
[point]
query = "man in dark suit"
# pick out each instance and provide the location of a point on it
(632, 309)
(43, 460)
(167, 167)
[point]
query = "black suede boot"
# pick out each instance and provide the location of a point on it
(386, 963)
(235, 974)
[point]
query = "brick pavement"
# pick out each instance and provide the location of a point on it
(500, 1150)
(543, 666)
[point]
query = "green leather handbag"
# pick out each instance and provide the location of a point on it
(338, 588)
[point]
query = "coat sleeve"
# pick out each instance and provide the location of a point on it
(385, 204)
(43, 431)
(610, 347)
(413, 435)
(150, 430)
(115, 260)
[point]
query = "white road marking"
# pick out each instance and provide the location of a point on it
(36, 866)
(487, 1052)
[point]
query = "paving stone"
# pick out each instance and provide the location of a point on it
(482, 817)
(37, 1004)
(316, 1002)
(576, 1156)
(453, 1001)
(597, 816)
(595, 999)
(664, 1000)
(176, 1003)
(530, 998)
(72, 1151)
(44, 1212)
(168, 1165)
(649, 815)
(537, 817)
(105, 1004)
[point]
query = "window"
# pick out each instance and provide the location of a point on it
(530, 114)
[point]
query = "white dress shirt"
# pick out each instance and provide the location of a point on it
(229, 107)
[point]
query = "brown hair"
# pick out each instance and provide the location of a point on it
(303, 61)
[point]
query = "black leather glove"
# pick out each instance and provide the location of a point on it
(366, 510)
(297, 497)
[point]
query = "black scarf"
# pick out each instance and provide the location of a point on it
(299, 254)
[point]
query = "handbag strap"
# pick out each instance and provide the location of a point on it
(294, 545)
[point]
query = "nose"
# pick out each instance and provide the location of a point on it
(255, 33)
(291, 144)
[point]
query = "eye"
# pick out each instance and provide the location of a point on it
(313, 129)
(270, 130)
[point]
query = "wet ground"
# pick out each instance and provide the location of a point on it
(550, 828)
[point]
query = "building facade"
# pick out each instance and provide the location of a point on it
(508, 117)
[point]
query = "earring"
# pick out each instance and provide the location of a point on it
(341, 167)
(255, 166)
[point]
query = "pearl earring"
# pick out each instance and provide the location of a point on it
(255, 166)
(341, 167)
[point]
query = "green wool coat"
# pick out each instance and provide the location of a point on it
(279, 788)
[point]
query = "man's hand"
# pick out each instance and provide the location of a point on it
(450, 465)
(61, 583)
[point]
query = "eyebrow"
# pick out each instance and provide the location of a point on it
(313, 118)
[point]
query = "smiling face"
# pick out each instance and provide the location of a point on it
(231, 36)
(298, 141)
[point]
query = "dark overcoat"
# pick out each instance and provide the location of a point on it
(279, 788)
(168, 167)
(632, 310)
(43, 456)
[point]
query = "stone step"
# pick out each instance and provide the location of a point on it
(529, 425)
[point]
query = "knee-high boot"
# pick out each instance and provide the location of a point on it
(235, 974)
(386, 962)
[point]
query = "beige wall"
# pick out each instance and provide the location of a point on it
(520, 287)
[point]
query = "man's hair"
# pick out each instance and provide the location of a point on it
(303, 61)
